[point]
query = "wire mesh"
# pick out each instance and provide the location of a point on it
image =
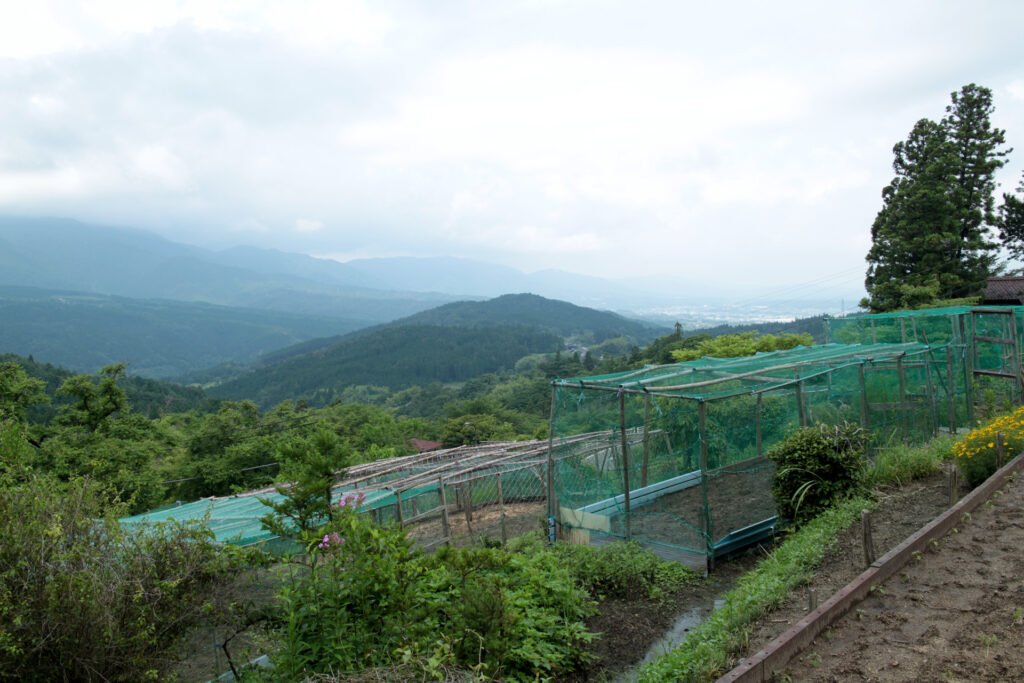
(673, 456)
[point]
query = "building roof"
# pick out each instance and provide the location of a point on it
(1004, 290)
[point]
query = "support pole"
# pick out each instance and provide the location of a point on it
(869, 543)
(933, 413)
(801, 411)
(1000, 449)
(446, 527)
(625, 461)
(1015, 345)
(647, 441)
(951, 392)
(501, 507)
(863, 396)
(969, 364)
(398, 509)
(903, 330)
(702, 427)
(757, 428)
(902, 375)
(552, 503)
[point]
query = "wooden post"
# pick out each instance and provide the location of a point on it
(903, 330)
(445, 525)
(901, 375)
(954, 485)
(702, 431)
(552, 503)
(757, 427)
(398, 509)
(625, 460)
(933, 412)
(467, 500)
(501, 508)
(869, 543)
(951, 390)
(812, 599)
(874, 338)
(1000, 449)
(863, 395)
(1015, 350)
(647, 440)
(801, 411)
(969, 365)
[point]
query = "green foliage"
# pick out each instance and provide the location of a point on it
(394, 357)
(815, 467)
(623, 570)
(707, 651)
(368, 599)
(82, 598)
(930, 239)
(742, 344)
(976, 451)
(312, 466)
(95, 399)
(1011, 222)
(18, 391)
(474, 429)
(899, 464)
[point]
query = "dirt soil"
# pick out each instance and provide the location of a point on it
(956, 613)
(630, 628)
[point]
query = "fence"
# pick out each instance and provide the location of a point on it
(684, 469)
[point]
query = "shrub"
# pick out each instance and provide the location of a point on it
(366, 599)
(82, 598)
(975, 452)
(816, 466)
(623, 570)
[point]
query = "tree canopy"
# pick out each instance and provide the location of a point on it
(932, 239)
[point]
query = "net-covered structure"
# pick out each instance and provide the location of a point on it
(455, 495)
(683, 469)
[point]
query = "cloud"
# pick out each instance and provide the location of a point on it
(308, 225)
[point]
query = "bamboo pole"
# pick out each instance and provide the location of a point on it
(757, 427)
(951, 393)
(901, 375)
(625, 462)
(702, 427)
(647, 441)
(864, 418)
(801, 410)
(552, 504)
(501, 508)
(446, 527)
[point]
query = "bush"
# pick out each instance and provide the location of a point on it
(366, 599)
(82, 598)
(623, 570)
(975, 452)
(815, 467)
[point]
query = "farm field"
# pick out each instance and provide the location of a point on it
(955, 613)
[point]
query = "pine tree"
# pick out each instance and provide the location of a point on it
(1011, 222)
(931, 240)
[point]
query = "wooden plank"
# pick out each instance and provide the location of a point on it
(778, 653)
(995, 373)
(994, 340)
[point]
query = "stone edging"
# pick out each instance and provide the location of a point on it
(777, 653)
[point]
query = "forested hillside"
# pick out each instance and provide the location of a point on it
(156, 338)
(394, 357)
(559, 317)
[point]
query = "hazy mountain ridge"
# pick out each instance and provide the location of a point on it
(395, 357)
(157, 338)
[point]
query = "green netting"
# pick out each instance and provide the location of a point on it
(687, 440)
(455, 495)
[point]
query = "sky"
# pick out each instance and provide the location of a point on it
(722, 144)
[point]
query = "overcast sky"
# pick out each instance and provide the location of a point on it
(717, 141)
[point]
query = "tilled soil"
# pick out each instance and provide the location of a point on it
(954, 613)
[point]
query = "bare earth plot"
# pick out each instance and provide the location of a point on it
(954, 613)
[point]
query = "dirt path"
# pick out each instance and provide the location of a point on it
(955, 613)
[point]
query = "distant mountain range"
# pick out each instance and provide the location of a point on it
(450, 343)
(157, 338)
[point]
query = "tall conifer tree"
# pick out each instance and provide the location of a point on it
(932, 238)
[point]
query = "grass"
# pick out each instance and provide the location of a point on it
(899, 464)
(707, 650)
